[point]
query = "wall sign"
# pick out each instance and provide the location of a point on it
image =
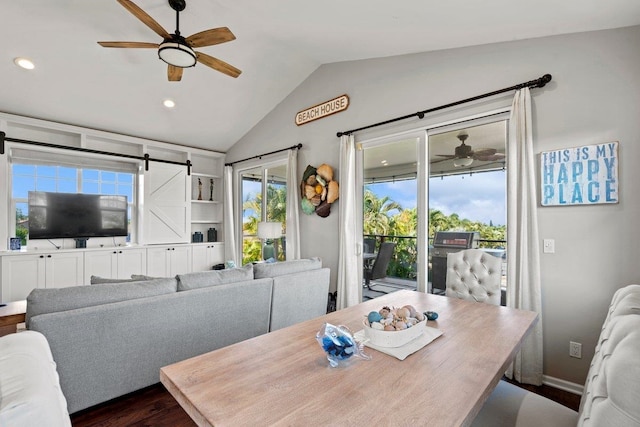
(586, 175)
(324, 109)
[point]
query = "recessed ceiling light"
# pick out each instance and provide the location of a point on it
(169, 103)
(24, 63)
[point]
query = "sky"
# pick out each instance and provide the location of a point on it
(479, 197)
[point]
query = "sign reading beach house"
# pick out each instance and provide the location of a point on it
(325, 109)
(585, 175)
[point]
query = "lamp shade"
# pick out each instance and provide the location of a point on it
(269, 230)
(177, 54)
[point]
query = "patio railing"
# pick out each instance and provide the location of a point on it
(403, 264)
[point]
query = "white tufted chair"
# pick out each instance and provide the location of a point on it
(474, 275)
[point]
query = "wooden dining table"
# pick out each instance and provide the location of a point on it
(284, 378)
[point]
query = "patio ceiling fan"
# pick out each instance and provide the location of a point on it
(464, 155)
(176, 50)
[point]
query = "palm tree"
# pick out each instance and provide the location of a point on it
(376, 213)
(276, 211)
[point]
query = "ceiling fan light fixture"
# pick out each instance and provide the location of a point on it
(177, 54)
(463, 162)
(24, 63)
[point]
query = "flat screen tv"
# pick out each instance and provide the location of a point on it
(70, 215)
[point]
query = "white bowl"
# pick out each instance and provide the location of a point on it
(393, 338)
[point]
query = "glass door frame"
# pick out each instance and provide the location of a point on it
(264, 166)
(422, 137)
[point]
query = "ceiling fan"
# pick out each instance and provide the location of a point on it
(176, 50)
(464, 155)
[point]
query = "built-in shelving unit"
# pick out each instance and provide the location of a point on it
(169, 216)
(206, 196)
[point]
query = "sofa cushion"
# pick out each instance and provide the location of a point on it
(30, 394)
(52, 300)
(97, 280)
(263, 270)
(203, 279)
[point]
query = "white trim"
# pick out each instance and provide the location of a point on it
(563, 385)
(430, 127)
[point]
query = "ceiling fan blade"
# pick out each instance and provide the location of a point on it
(218, 65)
(441, 160)
(490, 158)
(210, 37)
(485, 152)
(174, 73)
(145, 18)
(129, 44)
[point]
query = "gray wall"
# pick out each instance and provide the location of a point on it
(594, 98)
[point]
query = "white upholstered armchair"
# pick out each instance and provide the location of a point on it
(474, 275)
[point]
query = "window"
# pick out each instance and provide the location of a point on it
(264, 198)
(38, 171)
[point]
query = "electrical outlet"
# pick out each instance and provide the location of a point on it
(548, 246)
(575, 349)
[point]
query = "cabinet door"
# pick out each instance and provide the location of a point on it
(20, 275)
(199, 257)
(180, 260)
(167, 206)
(131, 261)
(158, 261)
(216, 254)
(64, 269)
(100, 263)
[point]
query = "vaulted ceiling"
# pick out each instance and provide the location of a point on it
(279, 43)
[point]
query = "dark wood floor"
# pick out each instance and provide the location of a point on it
(154, 406)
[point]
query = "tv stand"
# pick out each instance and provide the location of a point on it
(81, 243)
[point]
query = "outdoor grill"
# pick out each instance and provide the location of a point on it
(445, 242)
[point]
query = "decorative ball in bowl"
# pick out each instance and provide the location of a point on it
(394, 327)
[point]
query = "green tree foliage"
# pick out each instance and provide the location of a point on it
(21, 231)
(276, 211)
(388, 221)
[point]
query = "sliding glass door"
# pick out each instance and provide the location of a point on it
(446, 178)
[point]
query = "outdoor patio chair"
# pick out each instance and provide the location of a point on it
(378, 269)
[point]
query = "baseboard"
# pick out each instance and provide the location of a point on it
(563, 385)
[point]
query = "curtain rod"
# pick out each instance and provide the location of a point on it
(144, 158)
(293, 147)
(539, 82)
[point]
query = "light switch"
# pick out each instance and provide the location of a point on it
(549, 246)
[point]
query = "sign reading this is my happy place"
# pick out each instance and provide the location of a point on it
(585, 175)
(324, 109)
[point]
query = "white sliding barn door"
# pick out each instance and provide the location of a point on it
(166, 204)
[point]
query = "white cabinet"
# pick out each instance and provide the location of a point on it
(205, 256)
(21, 273)
(167, 261)
(115, 263)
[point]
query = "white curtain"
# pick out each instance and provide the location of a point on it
(349, 269)
(293, 219)
(229, 222)
(523, 275)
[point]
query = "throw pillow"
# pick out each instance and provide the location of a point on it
(204, 279)
(287, 267)
(97, 280)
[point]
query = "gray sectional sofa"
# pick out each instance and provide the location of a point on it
(111, 339)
